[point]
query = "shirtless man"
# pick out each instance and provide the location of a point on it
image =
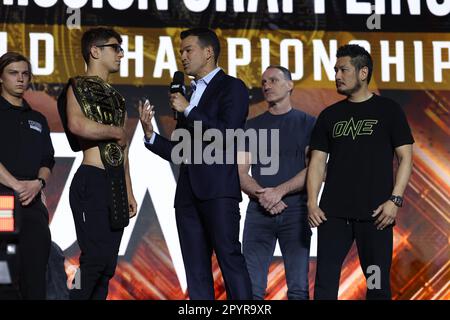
(101, 197)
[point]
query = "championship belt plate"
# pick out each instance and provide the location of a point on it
(101, 103)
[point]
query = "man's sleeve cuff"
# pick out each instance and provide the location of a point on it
(151, 140)
(188, 109)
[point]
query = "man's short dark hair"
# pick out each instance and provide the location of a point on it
(286, 73)
(11, 57)
(360, 58)
(206, 38)
(97, 36)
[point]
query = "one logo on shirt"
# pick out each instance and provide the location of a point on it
(360, 128)
(35, 125)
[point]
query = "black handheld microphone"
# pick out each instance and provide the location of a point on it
(177, 85)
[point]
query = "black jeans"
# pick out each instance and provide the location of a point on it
(99, 244)
(335, 238)
(261, 232)
(34, 250)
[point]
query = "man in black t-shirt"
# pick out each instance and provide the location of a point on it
(26, 161)
(360, 135)
(277, 207)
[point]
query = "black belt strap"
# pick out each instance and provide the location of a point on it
(119, 216)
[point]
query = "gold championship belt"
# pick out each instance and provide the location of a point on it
(101, 103)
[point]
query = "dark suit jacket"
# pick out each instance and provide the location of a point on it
(223, 105)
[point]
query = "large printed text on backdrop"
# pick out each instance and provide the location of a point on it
(410, 43)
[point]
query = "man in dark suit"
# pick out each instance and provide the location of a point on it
(208, 195)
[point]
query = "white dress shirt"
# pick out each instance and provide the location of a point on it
(198, 88)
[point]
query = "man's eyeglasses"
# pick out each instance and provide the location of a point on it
(115, 46)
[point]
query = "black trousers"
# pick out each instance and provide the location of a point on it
(99, 244)
(335, 238)
(34, 250)
(204, 226)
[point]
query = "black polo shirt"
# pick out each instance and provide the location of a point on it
(24, 140)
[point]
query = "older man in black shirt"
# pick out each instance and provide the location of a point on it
(25, 163)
